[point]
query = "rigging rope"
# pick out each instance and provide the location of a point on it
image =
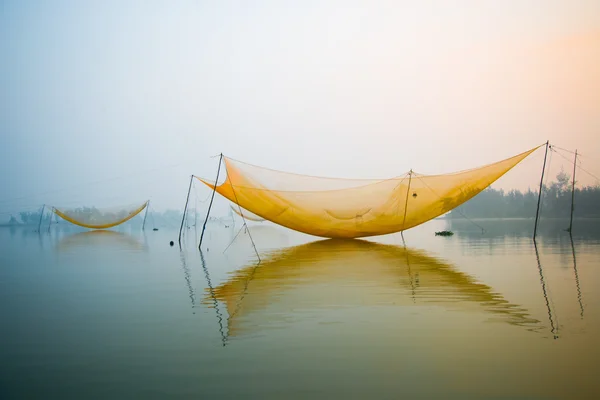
(457, 208)
(579, 166)
(568, 151)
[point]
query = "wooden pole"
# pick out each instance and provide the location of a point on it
(51, 216)
(185, 209)
(41, 216)
(573, 193)
(145, 215)
(211, 201)
(406, 203)
(537, 213)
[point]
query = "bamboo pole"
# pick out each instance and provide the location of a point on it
(185, 209)
(406, 203)
(145, 215)
(211, 200)
(41, 216)
(573, 193)
(537, 213)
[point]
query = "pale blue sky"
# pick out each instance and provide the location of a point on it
(93, 90)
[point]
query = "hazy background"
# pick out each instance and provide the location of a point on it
(112, 102)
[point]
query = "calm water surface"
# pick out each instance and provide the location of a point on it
(121, 314)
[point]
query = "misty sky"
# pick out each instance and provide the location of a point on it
(145, 92)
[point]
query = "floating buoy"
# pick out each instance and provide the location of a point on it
(171, 243)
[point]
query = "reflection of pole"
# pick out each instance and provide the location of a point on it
(185, 209)
(576, 277)
(145, 215)
(537, 213)
(214, 299)
(211, 201)
(552, 328)
(410, 277)
(41, 216)
(188, 281)
(573, 193)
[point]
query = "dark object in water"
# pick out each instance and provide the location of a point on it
(171, 243)
(444, 233)
(155, 229)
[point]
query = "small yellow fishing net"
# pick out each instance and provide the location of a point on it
(94, 218)
(353, 208)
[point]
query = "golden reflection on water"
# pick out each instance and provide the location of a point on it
(102, 239)
(351, 273)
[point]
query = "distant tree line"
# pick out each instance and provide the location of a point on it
(490, 203)
(556, 202)
(165, 219)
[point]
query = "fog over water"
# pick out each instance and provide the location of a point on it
(110, 103)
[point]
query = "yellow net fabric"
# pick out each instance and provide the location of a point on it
(94, 218)
(246, 214)
(353, 208)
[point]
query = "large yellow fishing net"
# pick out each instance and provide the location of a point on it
(94, 218)
(352, 208)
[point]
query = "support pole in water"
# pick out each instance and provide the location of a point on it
(537, 213)
(406, 203)
(51, 216)
(185, 209)
(573, 193)
(145, 215)
(211, 201)
(41, 216)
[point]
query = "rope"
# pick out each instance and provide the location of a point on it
(589, 173)
(235, 237)
(457, 208)
(552, 147)
(244, 218)
(579, 166)
(556, 151)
